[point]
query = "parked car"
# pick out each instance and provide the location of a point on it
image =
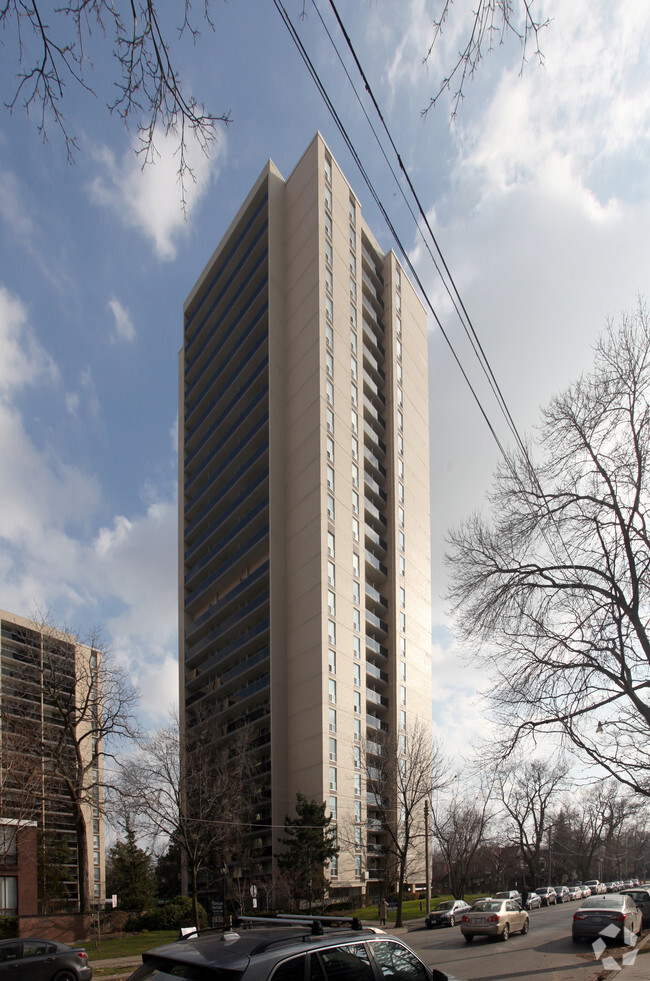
(547, 895)
(597, 887)
(494, 918)
(562, 894)
(575, 892)
(43, 960)
(534, 901)
(612, 886)
(597, 916)
(586, 891)
(642, 898)
(288, 947)
(509, 894)
(446, 913)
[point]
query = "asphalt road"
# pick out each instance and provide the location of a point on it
(547, 953)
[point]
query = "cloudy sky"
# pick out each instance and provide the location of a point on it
(539, 194)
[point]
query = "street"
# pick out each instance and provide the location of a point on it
(546, 952)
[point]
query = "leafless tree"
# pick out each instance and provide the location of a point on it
(402, 773)
(20, 779)
(202, 803)
(554, 591)
(490, 23)
(530, 792)
(77, 707)
(459, 828)
(53, 46)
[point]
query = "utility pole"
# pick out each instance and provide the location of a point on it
(427, 858)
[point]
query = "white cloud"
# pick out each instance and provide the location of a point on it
(22, 359)
(124, 329)
(149, 197)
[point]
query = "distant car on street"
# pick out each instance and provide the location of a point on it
(447, 913)
(32, 959)
(508, 894)
(494, 918)
(562, 894)
(575, 892)
(534, 901)
(547, 895)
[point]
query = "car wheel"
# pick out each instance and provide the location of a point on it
(452, 921)
(468, 937)
(65, 976)
(429, 925)
(525, 927)
(505, 933)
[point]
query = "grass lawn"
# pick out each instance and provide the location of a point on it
(133, 944)
(412, 909)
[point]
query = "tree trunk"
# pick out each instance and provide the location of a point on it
(195, 898)
(400, 889)
(82, 860)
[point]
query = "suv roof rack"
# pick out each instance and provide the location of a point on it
(316, 922)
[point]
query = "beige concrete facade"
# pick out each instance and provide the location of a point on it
(27, 711)
(304, 500)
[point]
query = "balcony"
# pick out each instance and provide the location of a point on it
(375, 564)
(375, 596)
(375, 647)
(374, 621)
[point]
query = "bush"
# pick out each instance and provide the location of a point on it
(172, 916)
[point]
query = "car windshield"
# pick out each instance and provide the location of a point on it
(596, 902)
(447, 905)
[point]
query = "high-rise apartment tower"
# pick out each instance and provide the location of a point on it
(304, 502)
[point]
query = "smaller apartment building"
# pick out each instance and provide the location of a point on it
(41, 671)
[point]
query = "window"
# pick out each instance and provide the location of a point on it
(356, 620)
(355, 529)
(353, 212)
(8, 895)
(357, 805)
(329, 280)
(357, 702)
(329, 255)
(355, 448)
(402, 540)
(353, 368)
(400, 468)
(356, 647)
(329, 392)
(328, 169)
(400, 419)
(329, 335)
(9, 844)
(331, 656)
(332, 749)
(354, 394)
(333, 778)
(353, 263)
(357, 784)
(353, 289)
(353, 237)
(334, 866)
(331, 631)
(356, 756)
(402, 744)
(333, 815)
(398, 343)
(329, 307)
(357, 675)
(355, 502)
(400, 443)
(330, 507)
(398, 277)
(400, 492)
(330, 544)
(330, 449)
(354, 421)
(357, 863)
(356, 591)
(353, 317)
(400, 396)
(402, 646)
(402, 596)
(331, 573)
(357, 834)
(328, 198)
(357, 732)
(402, 694)
(332, 690)
(355, 563)
(398, 303)
(402, 565)
(329, 420)
(331, 602)
(332, 720)
(402, 719)
(402, 622)
(328, 225)
(355, 475)
(400, 512)
(399, 373)
(353, 340)
(397, 961)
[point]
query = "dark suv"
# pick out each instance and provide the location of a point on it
(287, 949)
